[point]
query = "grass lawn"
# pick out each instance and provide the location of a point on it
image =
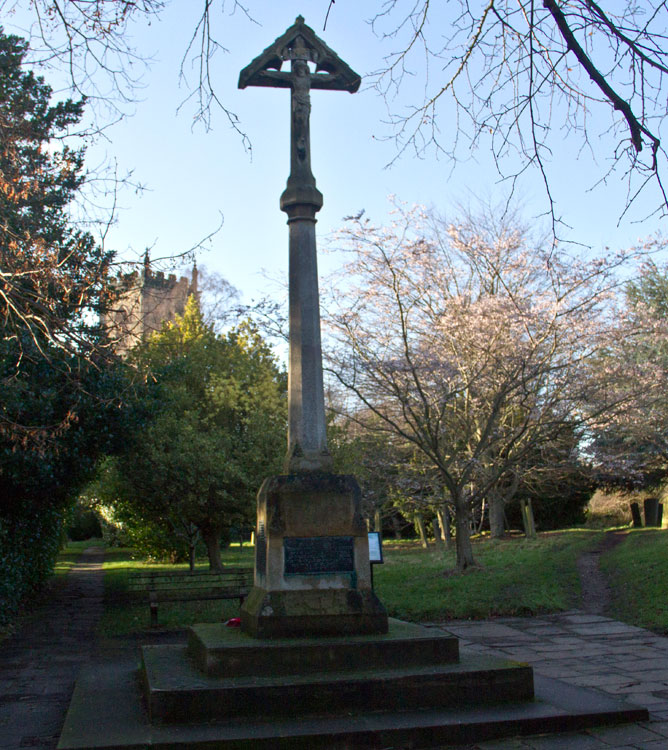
(638, 571)
(516, 577)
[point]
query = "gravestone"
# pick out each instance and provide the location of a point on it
(312, 574)
(651, 508)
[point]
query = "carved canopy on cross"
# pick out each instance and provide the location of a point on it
(299, 42)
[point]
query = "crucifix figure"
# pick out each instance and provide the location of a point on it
(301, 200)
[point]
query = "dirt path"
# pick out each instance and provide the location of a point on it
(595, 588)
(39, 663)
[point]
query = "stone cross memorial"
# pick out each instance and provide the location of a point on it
(312, 556)
(275, 684)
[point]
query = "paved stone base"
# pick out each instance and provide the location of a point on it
(218, 651)
(583, 649)
(106, 714)
(175, 691)
(623, 661)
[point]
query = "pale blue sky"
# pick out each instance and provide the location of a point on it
(192, 176)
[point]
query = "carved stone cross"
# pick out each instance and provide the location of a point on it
(301, 200)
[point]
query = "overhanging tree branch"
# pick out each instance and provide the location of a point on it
(636, 128)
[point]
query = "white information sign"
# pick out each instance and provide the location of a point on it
(375, 547)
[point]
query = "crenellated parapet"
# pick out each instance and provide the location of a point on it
(144, 301)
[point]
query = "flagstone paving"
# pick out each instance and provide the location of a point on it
(40, 663)
(588, 650)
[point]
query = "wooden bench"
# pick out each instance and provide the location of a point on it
(184, 586)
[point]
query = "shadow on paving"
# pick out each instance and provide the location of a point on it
(588, 650)
(40, 662)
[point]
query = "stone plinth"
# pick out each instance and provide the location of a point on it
(312, 574)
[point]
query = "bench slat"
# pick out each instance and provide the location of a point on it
(195, 589)
(190, 581)
(180, 596)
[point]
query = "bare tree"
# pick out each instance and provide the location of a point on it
(517, 75)
(631, 447)
(219, 299)
(90, 42)
(520, 75)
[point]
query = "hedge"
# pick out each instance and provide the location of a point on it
(28, 548)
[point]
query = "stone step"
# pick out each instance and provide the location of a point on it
(106, 714)
(176, 691)
(219, 651)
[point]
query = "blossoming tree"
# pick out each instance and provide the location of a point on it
(471, 342)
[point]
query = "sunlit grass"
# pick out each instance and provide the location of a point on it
(69, 555)
(638, 571)
(514, 577)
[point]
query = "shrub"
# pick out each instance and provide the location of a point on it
(29, 544)
(611, 508)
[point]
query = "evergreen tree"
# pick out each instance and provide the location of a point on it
(53, 276)
(57, 403)
(213, 427)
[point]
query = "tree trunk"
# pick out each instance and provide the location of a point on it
(527, 519)
(483, 508)
(438, 537)
(211, 538)
(396, 527)
(191, 556)
(497, 526)
(419, 526)
(532, 521)
(378, 522)
(463, 545)
(444, 522)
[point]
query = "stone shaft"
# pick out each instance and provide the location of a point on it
(301, 200)
(307, 440)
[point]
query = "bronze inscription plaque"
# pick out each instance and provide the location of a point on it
(318, 555)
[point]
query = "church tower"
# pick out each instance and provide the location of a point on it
(144, 301)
